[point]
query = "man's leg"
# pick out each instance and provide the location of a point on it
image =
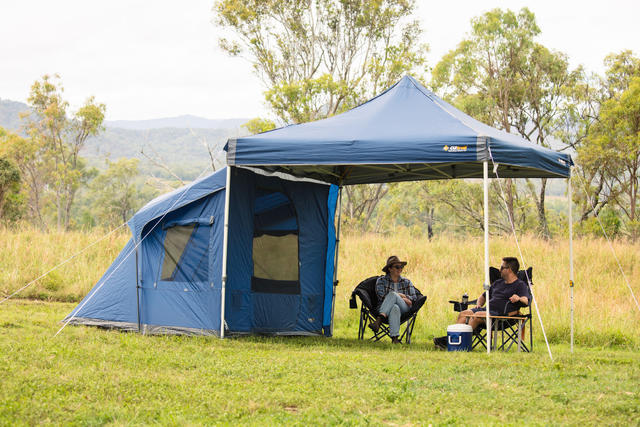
(462, 317)
(474, 322)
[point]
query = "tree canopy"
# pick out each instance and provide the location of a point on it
(501, 76)
(320, 57)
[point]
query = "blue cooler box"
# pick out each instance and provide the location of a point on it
(459, 338)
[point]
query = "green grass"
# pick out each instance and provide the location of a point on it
(91, 377)
(87, 376)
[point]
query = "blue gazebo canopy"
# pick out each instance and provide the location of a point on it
(407, 133)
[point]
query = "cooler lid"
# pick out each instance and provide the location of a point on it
(459, 328)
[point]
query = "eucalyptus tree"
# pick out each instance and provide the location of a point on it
(55, 168)
(614, 141)
(23, 152)
(501, 76)
(116, 193)
(318, 58)
(591, 185)
(9, 181)
(10, 174)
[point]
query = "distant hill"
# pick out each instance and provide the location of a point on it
(169, 137)
(9, 113)
(9, 120)
(178, 147)
(185, 121)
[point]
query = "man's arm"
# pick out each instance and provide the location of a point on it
(516, 299)
(520, 289)
(481, 301)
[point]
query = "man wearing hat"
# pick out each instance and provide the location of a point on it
(395, 294)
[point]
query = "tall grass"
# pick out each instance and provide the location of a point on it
(27, 253)
(443, 269)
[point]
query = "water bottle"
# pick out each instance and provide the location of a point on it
(465, 298)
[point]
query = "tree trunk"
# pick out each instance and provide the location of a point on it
(430, 224)
(67, 210)
(381, 191)
(509, 184)
(543, 226)
(58, 205)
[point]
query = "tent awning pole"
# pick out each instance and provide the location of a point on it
(570, 251)
(225, 243)
(486, 251)
(335, 264)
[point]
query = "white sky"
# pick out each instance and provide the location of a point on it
(152, 59)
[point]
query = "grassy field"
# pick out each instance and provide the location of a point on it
(87, 376)
(91, 377)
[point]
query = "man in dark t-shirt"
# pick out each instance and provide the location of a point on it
(504, 294)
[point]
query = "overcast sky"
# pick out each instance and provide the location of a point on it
(153, 59)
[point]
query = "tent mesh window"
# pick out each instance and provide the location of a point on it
(186, 254)
(275, 244)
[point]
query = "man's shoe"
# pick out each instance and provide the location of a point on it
(440, 342)
(375, 326)
(395, 340)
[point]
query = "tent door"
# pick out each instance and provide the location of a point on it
(275, 282)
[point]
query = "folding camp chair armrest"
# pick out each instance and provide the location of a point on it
(475, 301)
(417, 304)
(483, 316)
(415, 307)
(364, 297)
(459, 306)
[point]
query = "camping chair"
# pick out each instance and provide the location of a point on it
(366, 291)
(511, 329)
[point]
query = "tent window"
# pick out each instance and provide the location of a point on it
(186, 254)
(275, 237)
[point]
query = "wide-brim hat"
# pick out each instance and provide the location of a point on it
(393, 260)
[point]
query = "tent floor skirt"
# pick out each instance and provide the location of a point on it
(146, 329)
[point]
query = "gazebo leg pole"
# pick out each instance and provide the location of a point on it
(486, 249)
(570, 252)
(225, 244)
(335, 264)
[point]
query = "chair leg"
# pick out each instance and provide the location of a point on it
(512, 334)
(408, 330)
(364, 318)
(531, 334)
(478, 339)
(382, 332)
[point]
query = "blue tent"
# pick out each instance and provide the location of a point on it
(169, 277)
(407, 133)
(253, 249)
